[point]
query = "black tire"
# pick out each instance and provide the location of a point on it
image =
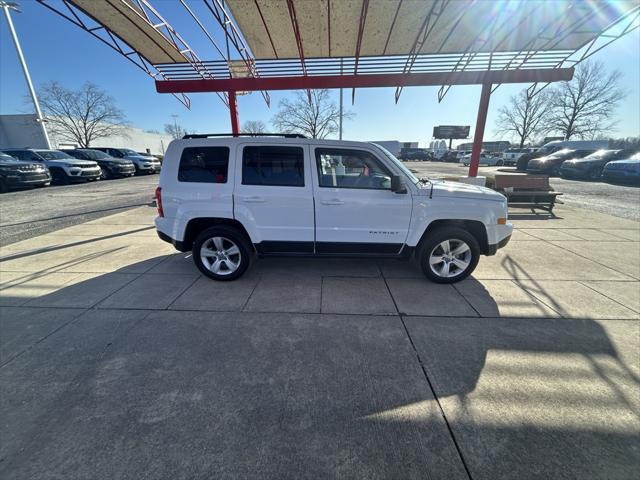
(499, 163)
(431, 244)
(232, 236)
(3, 187)
(59, 177)
(105, 174)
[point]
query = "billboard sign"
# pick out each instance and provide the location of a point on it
(451, 131)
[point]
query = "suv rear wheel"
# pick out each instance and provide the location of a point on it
(222, 253)
(448, 255)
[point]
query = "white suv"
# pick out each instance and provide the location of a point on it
(228, 199)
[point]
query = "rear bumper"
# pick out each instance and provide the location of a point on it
(178, 245)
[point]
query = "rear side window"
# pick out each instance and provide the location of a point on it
(280, 166)
(204, 165)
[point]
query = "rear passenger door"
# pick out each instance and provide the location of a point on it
(273, 197)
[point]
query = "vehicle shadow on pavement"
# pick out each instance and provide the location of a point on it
(102, 379)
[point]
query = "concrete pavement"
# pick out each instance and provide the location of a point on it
(120, 361)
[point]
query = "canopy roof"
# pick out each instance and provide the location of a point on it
(346, 28)
(402, 42)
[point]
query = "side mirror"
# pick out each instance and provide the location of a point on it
(397, 185)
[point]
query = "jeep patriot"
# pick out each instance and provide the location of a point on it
(230, 199)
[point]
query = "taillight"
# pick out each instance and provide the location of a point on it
(159, 201)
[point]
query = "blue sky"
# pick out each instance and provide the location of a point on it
(57, 50)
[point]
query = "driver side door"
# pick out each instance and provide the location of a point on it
(355, 210)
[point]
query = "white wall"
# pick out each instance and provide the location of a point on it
(18, 131)
(21, 131)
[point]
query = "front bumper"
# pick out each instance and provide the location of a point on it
(573, 172)
(20, 180)
(83, 174)
(493, 248)
(149, 169)
(122, 171)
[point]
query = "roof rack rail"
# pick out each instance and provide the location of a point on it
(207, 135)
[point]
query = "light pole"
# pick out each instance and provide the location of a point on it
(6, 7)
(175, 126)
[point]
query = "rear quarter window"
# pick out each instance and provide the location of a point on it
(204, 165)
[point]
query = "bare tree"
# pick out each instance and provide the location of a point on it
(524, 116)
(254, 126)
(175, 130)
(584, 106)
(317, 118)
(81, 116)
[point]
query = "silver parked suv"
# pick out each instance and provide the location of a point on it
(227, 199)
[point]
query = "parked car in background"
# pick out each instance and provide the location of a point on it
(523, 162)
(143, 163)
(16, 174)
(592, 145)
(511, 155)
(591, 166)
(111, 167)
(63, 167)
(485, 159)
(624, 171)
(451, 156)
(550, 164)
(460, 154)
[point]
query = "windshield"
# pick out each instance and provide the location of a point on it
(95, 154)
(601, 154)
(561, 153)
(54, 155)
(6, 158)
(128, 151)
(398, 163)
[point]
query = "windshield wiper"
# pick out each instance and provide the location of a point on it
(424, 180)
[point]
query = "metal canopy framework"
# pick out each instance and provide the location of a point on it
(306, 44)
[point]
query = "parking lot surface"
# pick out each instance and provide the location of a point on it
(119, 360)
(26, 213)
(618, 200)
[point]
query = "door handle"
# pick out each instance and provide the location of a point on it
(333, 201)
(253, 199)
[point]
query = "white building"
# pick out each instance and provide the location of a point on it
(21, 131)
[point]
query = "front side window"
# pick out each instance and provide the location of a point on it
(204, 165)
(341, 168)
(279, 166)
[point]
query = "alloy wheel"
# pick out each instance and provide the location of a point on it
(450, 258)
(220, 255)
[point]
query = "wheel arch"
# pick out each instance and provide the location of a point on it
(474, 227)
(197, 225)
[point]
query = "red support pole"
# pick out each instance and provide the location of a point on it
(480, 123)
(233, 111)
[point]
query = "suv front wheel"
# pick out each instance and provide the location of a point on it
(448, 255)
(222, 253)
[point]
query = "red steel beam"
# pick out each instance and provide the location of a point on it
(233, 111)
(363, 81)
(481, 121)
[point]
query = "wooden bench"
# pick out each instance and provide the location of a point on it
(531, 191)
